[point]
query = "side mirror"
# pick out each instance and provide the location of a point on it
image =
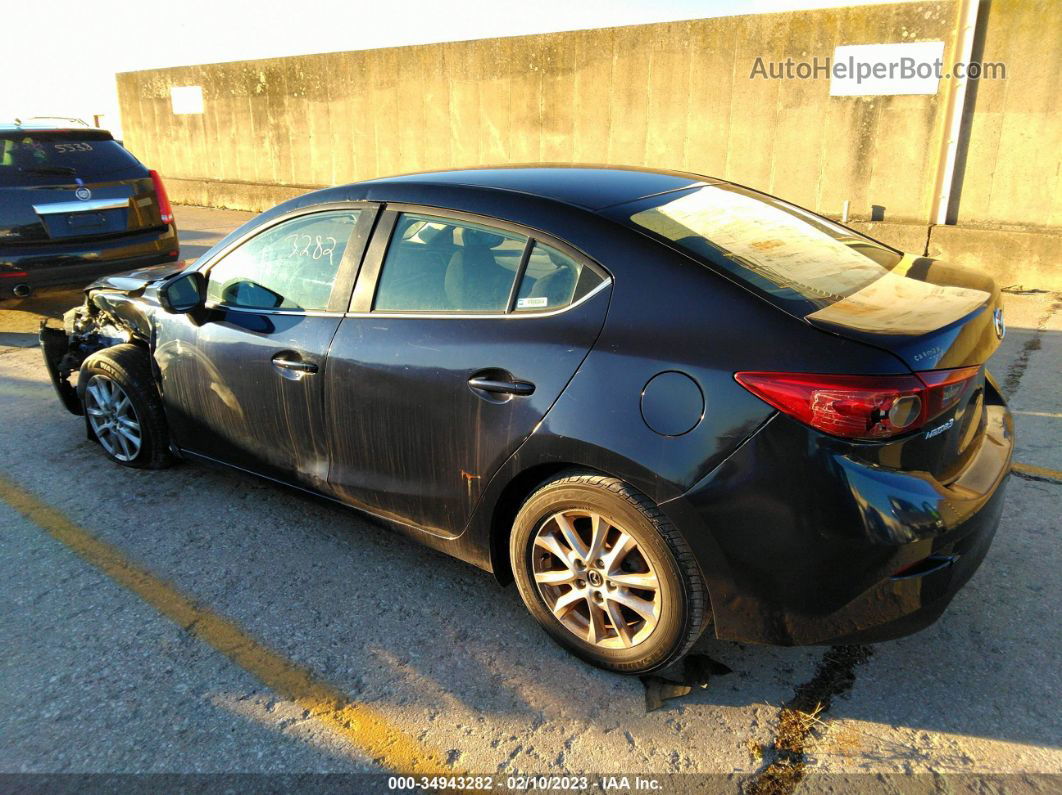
(183, 293)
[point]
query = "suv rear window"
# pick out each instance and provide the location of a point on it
(49, 158)
(800, 260)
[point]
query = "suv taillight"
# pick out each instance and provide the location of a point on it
(160, 194)
(861, 406)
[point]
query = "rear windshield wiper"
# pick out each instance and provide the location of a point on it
(63, 171)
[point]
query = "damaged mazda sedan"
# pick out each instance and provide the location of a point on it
(659, 402)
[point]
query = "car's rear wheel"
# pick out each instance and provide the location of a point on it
(607, 575)
(122, 407)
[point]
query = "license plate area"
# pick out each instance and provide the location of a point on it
(86, 223)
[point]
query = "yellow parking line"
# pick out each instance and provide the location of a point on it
(362, 726)
(1037, 472)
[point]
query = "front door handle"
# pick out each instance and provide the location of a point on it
(522, 388)
(294, 364)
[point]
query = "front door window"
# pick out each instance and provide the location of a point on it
(290, 266)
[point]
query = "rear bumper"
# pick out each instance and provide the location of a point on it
(906, 604)
(80, 263)
(802, 546)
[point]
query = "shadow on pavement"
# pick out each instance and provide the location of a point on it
(17, 339)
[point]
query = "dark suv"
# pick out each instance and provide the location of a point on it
(74, 205)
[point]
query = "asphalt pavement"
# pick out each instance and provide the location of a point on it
(199, 621)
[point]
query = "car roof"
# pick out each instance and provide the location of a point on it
(592, 187)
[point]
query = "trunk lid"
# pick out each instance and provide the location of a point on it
(944, 322)
(931, 315)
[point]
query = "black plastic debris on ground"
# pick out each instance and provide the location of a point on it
(680, 679)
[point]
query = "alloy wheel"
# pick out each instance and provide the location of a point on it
(596, 579)
(113, 418)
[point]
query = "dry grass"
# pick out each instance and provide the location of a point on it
(798, 719)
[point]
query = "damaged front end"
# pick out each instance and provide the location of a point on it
(108, 317)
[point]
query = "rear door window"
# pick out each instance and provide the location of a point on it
(32, 158)
(436, 264)
(553, 280)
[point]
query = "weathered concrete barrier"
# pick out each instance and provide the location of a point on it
(672, 95)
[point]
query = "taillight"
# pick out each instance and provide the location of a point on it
(860, 406)
(160, 194)
(944, 388)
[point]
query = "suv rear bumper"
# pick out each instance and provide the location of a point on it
(803, 547)
(79, 263)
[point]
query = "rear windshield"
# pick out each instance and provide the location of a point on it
(42, 158)
(797, 258)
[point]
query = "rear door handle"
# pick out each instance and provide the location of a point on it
(522, 388)
(294, 364)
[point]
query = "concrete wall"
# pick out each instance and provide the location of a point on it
(1013, 158)
(671, 95)
(674, 95)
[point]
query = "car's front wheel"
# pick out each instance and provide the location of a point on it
(122, 407)
(607, 575)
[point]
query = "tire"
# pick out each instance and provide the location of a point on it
(108, 375)
(680, 606)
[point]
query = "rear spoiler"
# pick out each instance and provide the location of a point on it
(932, 315)
(76, 133)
